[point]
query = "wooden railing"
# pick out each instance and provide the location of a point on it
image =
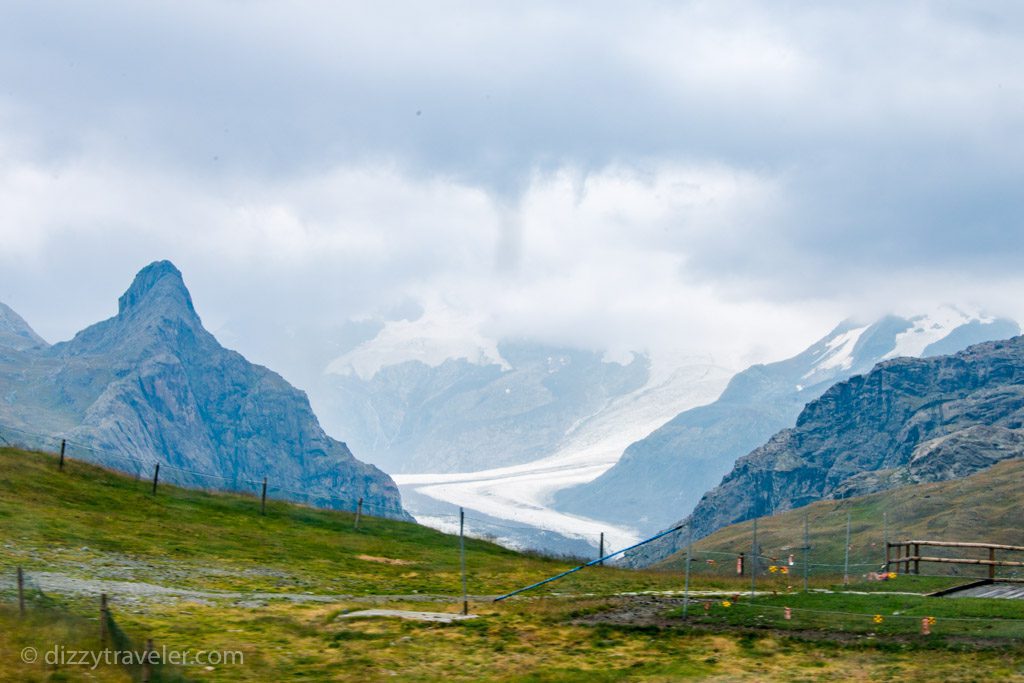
(908, 553)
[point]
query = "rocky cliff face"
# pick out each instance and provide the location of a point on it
(662, 477)
(906, 421)
(152, 382)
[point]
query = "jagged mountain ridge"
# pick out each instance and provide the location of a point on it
(660, 478)
(907, 421)
(151, 381)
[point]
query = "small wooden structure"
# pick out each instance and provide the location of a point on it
(908, 554)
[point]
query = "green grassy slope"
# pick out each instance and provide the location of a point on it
(94, 522)
(985, 507)
(87, 530)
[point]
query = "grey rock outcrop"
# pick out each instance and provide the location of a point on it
(151, 382)
(907, 421)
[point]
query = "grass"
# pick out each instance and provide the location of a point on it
(880, 614)
(982, 507)
(89, 523)
(110, 523)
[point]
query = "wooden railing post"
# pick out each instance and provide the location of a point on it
(917, 563)
(21, 592)
(103, 620)
(992, 567)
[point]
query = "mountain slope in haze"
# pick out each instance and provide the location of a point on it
(415, 404)
(660, 478)
(907, 421)
(152, 382)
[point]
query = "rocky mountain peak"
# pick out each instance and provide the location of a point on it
(158, 284)
(15, 332)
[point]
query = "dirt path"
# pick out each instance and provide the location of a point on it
(137, 591)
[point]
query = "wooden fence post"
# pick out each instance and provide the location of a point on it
(21, 592)
(147, 665)
(359, 512)
(103, 620)
(917, 563)
(263, 498)
(63, 445)
(600, 551)
(992, 567)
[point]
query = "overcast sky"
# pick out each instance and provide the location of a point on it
(714, 177)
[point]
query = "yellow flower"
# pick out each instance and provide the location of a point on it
(892, 575)
(784, 570)
(931, 621)
(878, 619)
(773, 569)
(726, 603)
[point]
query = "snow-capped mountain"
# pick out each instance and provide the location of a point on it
(499, 426)
(435, 394)
(437, 335)
(660, 478)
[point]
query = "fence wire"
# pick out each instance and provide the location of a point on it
(144, 467)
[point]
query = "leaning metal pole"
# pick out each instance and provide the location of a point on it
(588, 564)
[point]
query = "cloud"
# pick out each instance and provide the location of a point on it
(729, 175)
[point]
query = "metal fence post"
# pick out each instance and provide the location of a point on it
(885, 537)
(753, 561)
(686, 583)
(462, 559)
(807, 547)
(846, 556)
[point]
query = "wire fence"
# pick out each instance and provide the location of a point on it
(850, 545)
(148, 468)
(162, 471)
(93, 641)
(770, 576)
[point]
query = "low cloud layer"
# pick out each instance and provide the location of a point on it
(731, 177)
